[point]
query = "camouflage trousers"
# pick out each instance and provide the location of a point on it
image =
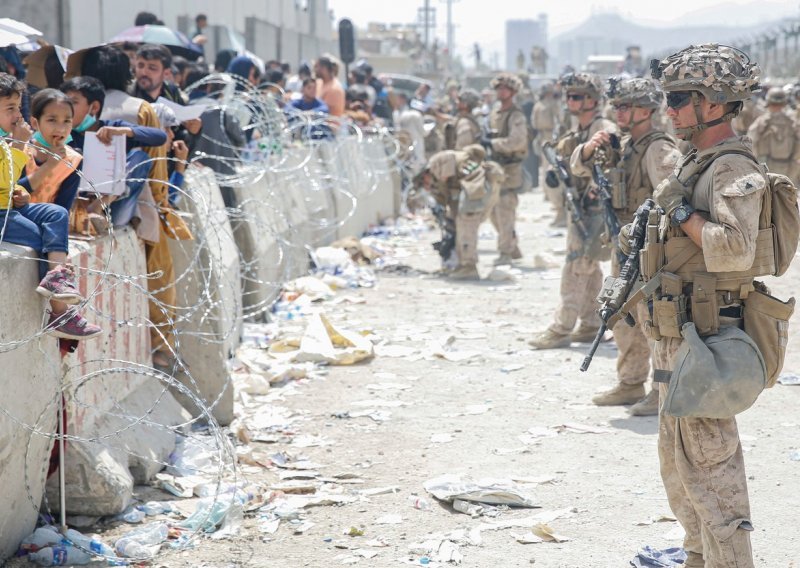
(702, 468)
(581, 280)
(467, 226)
(504, 218)
(634, 349)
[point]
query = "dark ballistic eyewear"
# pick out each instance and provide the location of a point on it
(678, 99)
(621, 108)
(574, 97)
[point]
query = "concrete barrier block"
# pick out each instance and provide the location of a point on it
(209, 320)
(258, 230)
(29, 383)
(106, 378)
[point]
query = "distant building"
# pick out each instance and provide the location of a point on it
(521, 36)
(287, 30)
(576, 51)
(394, 48)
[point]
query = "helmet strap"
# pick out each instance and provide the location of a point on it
(689, 132)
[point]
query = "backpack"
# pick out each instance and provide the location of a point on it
(778, 138)
(779, 210)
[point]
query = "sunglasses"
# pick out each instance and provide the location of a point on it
(576, 97)
(678, 99)
(621, 108)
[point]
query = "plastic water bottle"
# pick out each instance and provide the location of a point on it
(89, 543)
(143, 542)
(419, 502)
(152, 508)
(61, 555)
(134, 516)
(41, 538)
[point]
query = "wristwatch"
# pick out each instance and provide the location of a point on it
(681, 214)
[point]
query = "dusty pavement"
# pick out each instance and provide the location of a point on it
(500, 412)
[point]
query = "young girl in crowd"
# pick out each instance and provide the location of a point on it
(41, 225)
(88, 96)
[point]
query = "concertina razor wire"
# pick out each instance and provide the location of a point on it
(293, 162)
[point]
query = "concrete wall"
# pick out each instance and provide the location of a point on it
(83, 23)
(29, 382)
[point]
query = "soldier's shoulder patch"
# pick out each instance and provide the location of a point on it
(737, 176)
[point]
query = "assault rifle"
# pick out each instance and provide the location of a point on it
(604, 190)
(613, 297)
(560, 172)
(447, 243)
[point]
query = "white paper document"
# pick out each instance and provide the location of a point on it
(103, 165)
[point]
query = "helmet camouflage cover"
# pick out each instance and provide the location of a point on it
(721, 73)
(469, 97)
(583, 83)
(636, 92)
(507, 80)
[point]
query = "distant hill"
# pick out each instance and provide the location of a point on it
(657, 39)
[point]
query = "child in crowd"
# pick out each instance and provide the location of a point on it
(88, 95)
(51, 174)
(42, 226)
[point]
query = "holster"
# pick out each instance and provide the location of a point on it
(705, 307)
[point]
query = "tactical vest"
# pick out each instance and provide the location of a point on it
(630, 180)
(515, 157)
(688, 291)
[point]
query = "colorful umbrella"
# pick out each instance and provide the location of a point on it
(173, 40)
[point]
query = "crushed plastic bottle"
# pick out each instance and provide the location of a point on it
(60, 555)
(142, 542)
(41, 538)
(92, 544)
(419, 502)
(135, 515)
(152, 508)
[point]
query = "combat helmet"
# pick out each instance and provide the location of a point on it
(583, 83)
(642, 93)
(507, 80)
(777, 96)
(547, 88)
(722, 74)
(470, 97)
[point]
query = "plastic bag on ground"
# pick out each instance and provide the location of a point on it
(323, 342)
(491, 491)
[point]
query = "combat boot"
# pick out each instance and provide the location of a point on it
(584, 334)
(466, 272)
(648, 406)
(516, 254)
(502, 260)
(619, 395)
(550, 339)
(694, 560)
(560, 221)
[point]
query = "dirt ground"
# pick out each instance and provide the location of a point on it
(601, 491)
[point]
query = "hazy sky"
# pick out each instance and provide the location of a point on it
(484, 20)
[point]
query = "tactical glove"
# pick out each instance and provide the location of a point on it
(624, 239)
(671, 192)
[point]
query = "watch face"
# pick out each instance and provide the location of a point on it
(680, 215)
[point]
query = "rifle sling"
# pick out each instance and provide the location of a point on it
(649, 288)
